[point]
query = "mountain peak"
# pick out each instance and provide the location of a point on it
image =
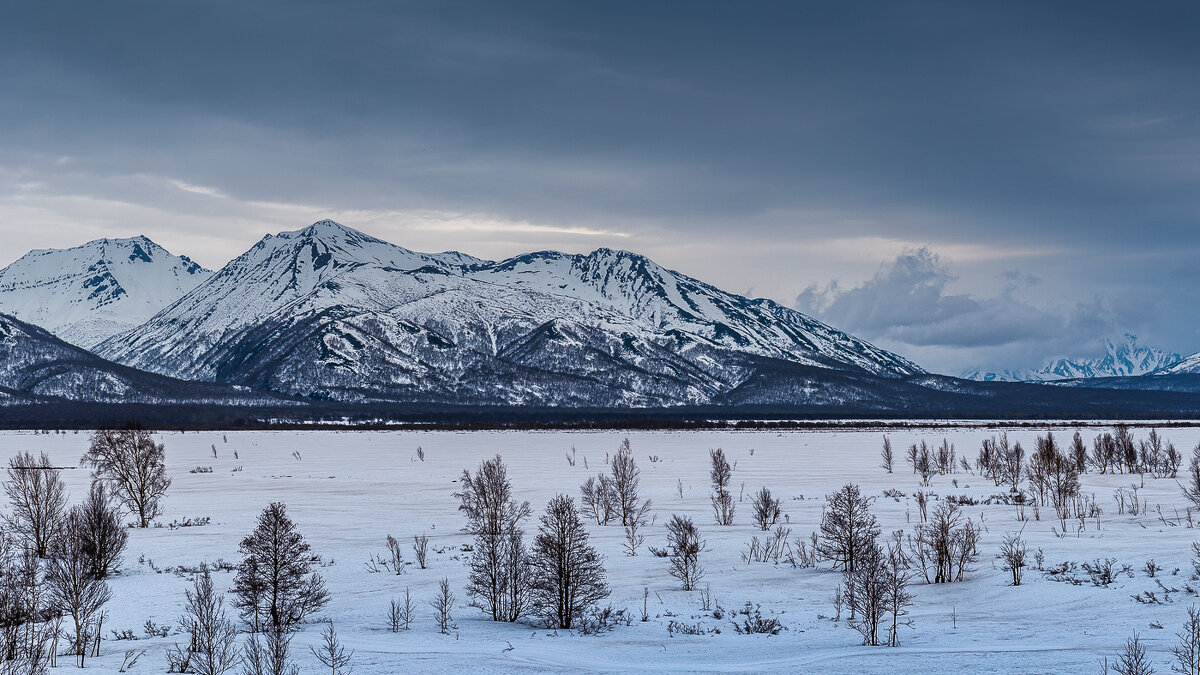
(90, 292)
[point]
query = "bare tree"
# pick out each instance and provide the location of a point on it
(275, 585)
(567, 573)
(767, 509)
(332, 654)
(626, 479)
(421, 548)
(866, 586)
(897, 597)
(443, 605)
(270, 655)
(685, 545)
(1191, 484)
(847, 527)
(135, 468)
(37, 498)
(400, 613)
(104, 535)
(1012, 556)
(499, 579)
(1187, 650)
(721, 473)
(1133, 661)
(1079, 453)
(212, 637)
(71, 582)
(886, 454)
(599, 499)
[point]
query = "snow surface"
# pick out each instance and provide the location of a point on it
(348, 490)
(89, 293)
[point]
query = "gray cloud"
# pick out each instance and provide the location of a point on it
(770, 147)
(907, 306)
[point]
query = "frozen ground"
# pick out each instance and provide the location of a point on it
(348, 490)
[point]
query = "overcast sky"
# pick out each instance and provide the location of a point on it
(966, 185)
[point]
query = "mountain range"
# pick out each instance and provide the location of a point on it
(1122, 358)
(327, 318)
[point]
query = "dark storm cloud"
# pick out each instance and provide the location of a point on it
(745, 131)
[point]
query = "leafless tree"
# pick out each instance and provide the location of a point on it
(443, 605)
(104, 535)
(421, 548)
(1126, 449)
(897, 598)
(866, 591)
(1187, 650)
(767, 509)
(71, 582)
(270, 655)
(1172, 459)
(332, 654)
(275, 586)
(626, 479)
(886, 455)
(1191, 484)
(1012, 556)
(212, 637)
(567, 573)
(599, 499)
(847, 527)
(25, 635)
(499, 579)
(1133, 661)
(685, 545)
(135, 468)
(37, 499)
(721, 473)
(1079, 453)
(400, 613)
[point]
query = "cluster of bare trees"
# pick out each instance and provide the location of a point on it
(876, 576)
(53, 564)
(944, 547)
(616, 496)
(561, 576)
(926, 461)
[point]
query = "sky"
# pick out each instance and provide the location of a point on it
(971, 185)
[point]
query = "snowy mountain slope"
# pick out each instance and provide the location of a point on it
(36, 366)
(328, 312)
(91, 292)
(1125, 358)
(1188, 365)
(666, 301)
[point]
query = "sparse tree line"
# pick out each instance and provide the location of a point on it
(55, 558)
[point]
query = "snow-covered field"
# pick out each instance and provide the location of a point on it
(348, 490)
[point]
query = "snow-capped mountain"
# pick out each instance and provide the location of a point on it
(37, 367)
(1188, 365)
(89, 293)
(328, 312)
(1125, 358)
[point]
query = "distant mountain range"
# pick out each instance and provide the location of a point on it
(328, 318)
(1121, 359)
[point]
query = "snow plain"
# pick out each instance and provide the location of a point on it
(348, 490)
